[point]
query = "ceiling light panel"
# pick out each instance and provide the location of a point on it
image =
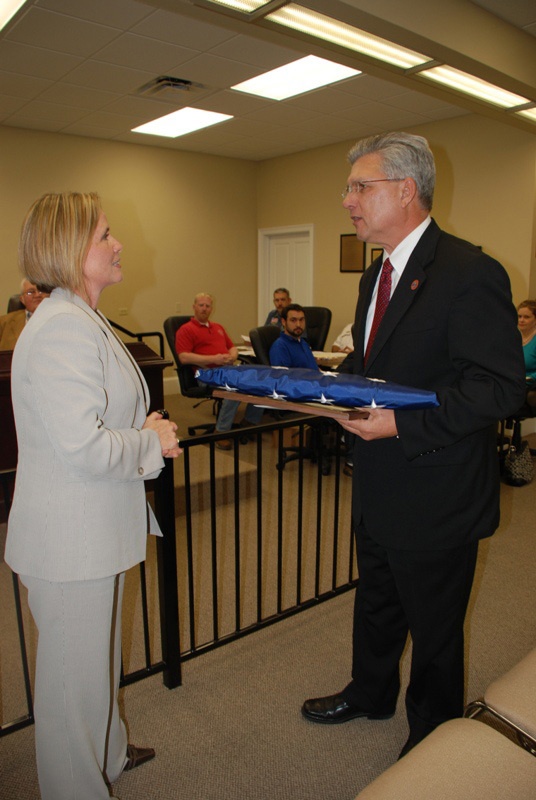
(323, 27)
(462, 82)
(181, 122)
(241, 5)
(529, 113)
(296, 78)
(8, 9)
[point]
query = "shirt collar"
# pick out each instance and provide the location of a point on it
(400, 255)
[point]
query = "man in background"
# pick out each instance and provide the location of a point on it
(344, 342)
(205, 344)
(292, 349)
(436, 313)
(12, 324)
(281, 301)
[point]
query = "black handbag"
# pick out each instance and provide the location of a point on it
(518, 465)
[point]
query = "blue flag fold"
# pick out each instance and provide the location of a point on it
(312, 386)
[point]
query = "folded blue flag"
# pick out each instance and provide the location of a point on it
(310, 385)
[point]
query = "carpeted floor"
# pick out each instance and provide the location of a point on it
(234, 731)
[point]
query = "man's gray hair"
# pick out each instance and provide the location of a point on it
(403, 155)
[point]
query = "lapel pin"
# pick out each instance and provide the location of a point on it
(414, 285)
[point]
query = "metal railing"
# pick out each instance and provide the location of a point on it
(251, 536)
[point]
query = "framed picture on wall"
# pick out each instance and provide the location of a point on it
(352, 257)
(375, 252)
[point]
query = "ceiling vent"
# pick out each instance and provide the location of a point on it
(165, 86)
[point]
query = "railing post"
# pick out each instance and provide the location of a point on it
(166, 553)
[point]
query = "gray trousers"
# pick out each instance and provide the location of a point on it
(80, 739)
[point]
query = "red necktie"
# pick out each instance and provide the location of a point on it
(382, 301)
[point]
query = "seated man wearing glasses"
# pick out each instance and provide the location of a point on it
(12, 324)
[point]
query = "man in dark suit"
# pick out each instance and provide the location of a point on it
(425, 482)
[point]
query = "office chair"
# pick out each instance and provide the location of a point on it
(262, 339)
(513, 424)
(317, 322)
(189, 385)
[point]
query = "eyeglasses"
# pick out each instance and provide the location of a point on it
(32, 292)
(358, 187)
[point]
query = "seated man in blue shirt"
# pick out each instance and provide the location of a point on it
(291, 349)
(282, 299)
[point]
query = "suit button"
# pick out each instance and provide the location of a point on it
(140, 470)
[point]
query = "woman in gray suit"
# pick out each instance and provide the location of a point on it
(79, 518)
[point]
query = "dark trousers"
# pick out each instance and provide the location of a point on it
(426, 594)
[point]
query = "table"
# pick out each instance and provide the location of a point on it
(322, 358)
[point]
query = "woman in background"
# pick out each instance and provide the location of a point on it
(526, 322)
(79, 518)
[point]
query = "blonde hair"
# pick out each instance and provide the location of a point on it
(55, 239)
(203, 294)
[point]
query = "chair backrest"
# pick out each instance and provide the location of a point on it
(317, 322)
(188, 384)
(262, 339)
(14, 303)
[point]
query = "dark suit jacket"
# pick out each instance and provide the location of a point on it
(450, 327)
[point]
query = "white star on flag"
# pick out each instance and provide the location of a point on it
(324, 399)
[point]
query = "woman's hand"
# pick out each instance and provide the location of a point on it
(165, 429)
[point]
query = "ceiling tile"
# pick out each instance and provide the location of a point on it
(53, 112)
(42, 28)
(382, 115)
(98, 75)
(8, 105)
(121, 14)
(92, 131)
(180, 30)
(130, 50)
(214, 71)
(370, 88)
(415, 101)
(77, 96)
(256, 52)
(327, 101)
(234, 103)
(143, 108)
(284, 113)
(22, 86)
(21, 58)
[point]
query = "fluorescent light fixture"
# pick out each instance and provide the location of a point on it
(468, 84)
(241, 5)
(529, 113)
(181, 122)
(8, 9)
(295, 78)
(323, 27)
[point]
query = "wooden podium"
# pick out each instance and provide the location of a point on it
(151, 365)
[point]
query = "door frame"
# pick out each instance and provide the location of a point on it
(264, 238)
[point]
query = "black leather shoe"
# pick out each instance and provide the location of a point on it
(137, 756)
(334, 709)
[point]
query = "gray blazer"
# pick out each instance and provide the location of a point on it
(79, 510)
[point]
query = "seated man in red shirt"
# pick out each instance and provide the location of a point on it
(206, 344)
